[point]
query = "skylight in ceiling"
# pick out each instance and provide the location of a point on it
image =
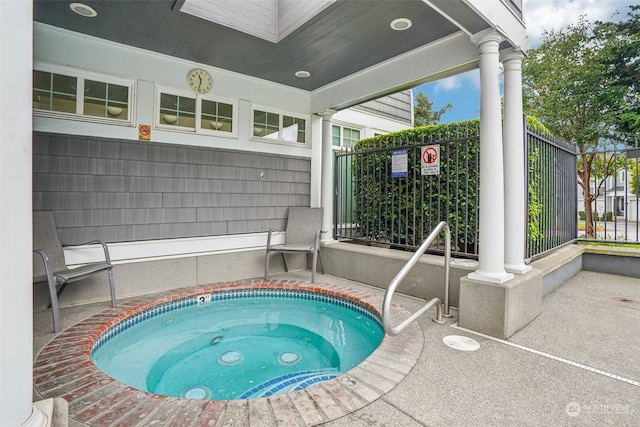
(270, 20)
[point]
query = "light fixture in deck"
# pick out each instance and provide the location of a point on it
(83, 10)
(401, 24)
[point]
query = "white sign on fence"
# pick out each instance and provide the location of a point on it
(399, 160)
(430, 156)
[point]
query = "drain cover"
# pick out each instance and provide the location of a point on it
(461, 343)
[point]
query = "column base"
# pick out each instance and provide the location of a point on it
(48, 413)
(41, 414)
(490, 277)
(497, 309)
(517, 268)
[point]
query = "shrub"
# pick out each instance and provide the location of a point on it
(405, 210)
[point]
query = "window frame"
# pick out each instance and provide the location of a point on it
(342, 127)
(281, 115)
(81, 77)
(199, 98)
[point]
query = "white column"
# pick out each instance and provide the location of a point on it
(515, 213)
(327, 176)
(16, 287)
(491, 245)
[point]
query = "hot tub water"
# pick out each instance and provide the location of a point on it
(241, 344)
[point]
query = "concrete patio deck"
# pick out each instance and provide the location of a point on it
(578, 363)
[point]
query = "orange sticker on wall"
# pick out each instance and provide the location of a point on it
(144, 132)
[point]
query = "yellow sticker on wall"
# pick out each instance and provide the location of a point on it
(144, 132)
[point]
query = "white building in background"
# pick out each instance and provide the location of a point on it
(615, 201)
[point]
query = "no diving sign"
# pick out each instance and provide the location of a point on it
(430, 160)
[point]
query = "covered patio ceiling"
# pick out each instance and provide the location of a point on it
(348, 47)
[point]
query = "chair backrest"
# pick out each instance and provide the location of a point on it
(45, 237)
(302, 225)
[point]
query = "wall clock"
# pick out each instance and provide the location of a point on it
(199, 80)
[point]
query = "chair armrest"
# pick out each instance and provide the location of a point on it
(273, 230)
(47, 264)
(105, 248)
(317, 241)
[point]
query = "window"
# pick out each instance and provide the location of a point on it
(182, 110)
(105, 99)
(179, 111)
(344, 137)
(86, 97)
(217, 116)
(280, 127)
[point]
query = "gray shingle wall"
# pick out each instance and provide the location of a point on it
(121, 190)
(396, 106)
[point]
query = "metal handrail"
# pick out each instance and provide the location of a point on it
(386, 306)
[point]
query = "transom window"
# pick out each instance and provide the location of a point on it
(77, 96)
(179, 111)
(280, 127)
(217, 115)
(188, 112)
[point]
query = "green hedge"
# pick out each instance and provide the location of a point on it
(403, 211)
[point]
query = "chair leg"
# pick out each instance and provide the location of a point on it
(314, 262)
(284, 261)
(266, 265)
(53, 295)
(321, 264)
(112, 286)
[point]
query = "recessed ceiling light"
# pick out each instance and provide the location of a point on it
(401, 24)
(302, 74)
(83, 10)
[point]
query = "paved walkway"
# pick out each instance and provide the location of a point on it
(578, 363)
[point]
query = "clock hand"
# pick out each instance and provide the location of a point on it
(200, 77)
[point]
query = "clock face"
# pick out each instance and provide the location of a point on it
(199, 80)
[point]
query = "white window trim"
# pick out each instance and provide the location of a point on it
(281, 113)
(83, 75)
(343, 125)
(197, 129)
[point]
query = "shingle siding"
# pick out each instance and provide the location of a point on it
(396, 106)
(121, 190)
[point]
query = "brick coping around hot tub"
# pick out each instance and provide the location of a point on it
(64, 369)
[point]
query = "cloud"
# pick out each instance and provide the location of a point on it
(541, 15)
(470, 78)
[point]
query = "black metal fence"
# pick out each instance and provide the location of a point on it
(614, 190)
(551, 193)
(390, 194)
(394, 196)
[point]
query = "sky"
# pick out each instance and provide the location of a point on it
(463, 91)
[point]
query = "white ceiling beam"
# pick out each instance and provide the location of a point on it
(444, 58)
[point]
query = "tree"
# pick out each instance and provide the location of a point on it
(423, 113)
(623, 65)
(567, 86)
(634, 167)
